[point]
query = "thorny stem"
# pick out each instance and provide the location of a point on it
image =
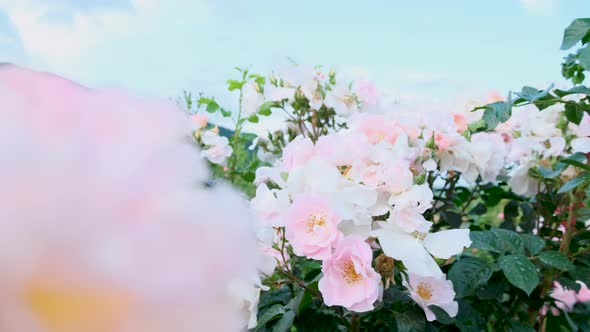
(570, 226)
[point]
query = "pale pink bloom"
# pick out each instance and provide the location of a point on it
(200, 120)
(342, 148)
(341, 100)
(376, 127)
(427, 291)
(583, 129)
(297, 152)
(367, 92)
(217, 148)
(460, 121)
(565, 299)
(269, 205)
(311, 226)
(349, 280)
(584, 293)
(103, 217)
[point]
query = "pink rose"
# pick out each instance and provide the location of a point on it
(565, 299)
(349, 280)
(311, 227)
(584, 294)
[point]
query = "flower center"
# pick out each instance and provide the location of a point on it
(349, 273)
(314, 220)
(419, 235)
(424, 290)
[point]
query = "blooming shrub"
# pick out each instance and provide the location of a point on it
(380, 218)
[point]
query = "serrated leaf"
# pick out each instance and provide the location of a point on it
(531, 94)
(468, 273)
(533, 244)
(409, 321)
(575, 32)
(270, 314)
(520, 272)
(584, 57)
(555, 259)
(285, 323)
(573, 112)
(574, 183)
(580, 89)
(510, 241)
(496, 113)
(484, 240)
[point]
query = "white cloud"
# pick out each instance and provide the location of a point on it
(108, 39)
(541, 7)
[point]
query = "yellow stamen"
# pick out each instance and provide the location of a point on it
(349, 273)
(424, 290)
(313, 221)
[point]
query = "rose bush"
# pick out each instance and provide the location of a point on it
(375, 217)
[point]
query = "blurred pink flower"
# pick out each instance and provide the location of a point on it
(297, 153)
(106, 225)
(200, 120)
(349, 280)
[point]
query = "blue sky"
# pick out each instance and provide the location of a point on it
(414, 49)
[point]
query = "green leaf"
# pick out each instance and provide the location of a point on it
(574, 183)
(265, 108)
(477, 126)
(469, 273)
(531, 94)
(510, 241)
(556, 259)
(518, 326)
(212, 107)
(575, 90)
(204, 101)
(575, 32)
(441, 315)
(533, 244)
(573, 113)
(409, 321)
(584, 57)
(253, 118)
(225, 112)
(235, 85)
(285, 323)
(496, 113)
(270, 314)
(520, 272)
(485, 240)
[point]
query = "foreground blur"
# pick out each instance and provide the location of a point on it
(106, 225)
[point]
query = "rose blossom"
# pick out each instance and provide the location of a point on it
(427, 291)
(349, 280)
(217, 147)
(311, 226)
(565, 299)
(297, 153)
